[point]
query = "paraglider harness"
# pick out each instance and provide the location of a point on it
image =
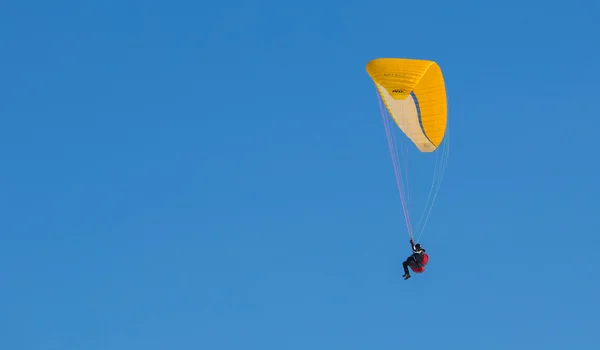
(416, 261)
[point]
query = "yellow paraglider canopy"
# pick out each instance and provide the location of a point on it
(415, 96)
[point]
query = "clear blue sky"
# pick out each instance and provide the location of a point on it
(194, 175)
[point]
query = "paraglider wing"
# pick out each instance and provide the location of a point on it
(415, 96)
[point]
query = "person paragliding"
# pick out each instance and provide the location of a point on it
(413, 92)
(416, 261)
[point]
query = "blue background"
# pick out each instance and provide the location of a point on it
(196, 175)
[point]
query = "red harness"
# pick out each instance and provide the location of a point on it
(418, 268)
